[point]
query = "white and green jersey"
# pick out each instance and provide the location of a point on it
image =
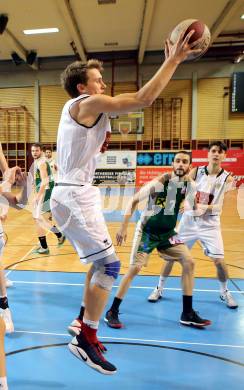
(37, 175)
(160, 215)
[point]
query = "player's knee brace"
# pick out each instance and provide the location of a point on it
(105, 272)
(112, 269)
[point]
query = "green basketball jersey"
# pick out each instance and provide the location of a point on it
(37, 178)
(162, 210)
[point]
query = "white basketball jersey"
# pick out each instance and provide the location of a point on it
(78, 146)
(210, 189)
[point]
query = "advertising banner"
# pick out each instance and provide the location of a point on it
(114, 176)
(121, 159)
(155, 159)
(116, 167)
(152, 164)
(143, 175)
(234, 162)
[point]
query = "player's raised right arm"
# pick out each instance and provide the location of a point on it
(175, 54)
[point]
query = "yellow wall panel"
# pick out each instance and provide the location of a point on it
(52, 100)
(12, 97)
(214, 118)
(124, 88)
(175, 89)
(181, 89)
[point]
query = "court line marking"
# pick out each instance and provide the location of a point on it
(116, 286)
(19, 262)
(22, 258)
(132, 339)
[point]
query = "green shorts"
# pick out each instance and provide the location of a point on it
(144, 243)
(150, 241)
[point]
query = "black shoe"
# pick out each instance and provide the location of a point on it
(61, 240)
(112, 319)
(193, 319)
(74, 329)
(90, 354)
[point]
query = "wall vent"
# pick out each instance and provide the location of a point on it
(102, 2)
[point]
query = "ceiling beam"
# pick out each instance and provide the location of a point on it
(145, 30)
(18, 47)
(230, 9)
(71, 23)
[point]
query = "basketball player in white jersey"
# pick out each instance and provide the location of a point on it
(4, 168)
(10, 176)
(75, 203)
(3, 293)
(203, 223)
(7, 199)
(8, 180)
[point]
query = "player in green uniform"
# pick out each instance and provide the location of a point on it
(156, 230)
(43, 185)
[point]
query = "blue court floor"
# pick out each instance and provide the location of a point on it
(152, 351)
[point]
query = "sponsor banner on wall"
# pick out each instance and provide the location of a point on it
(144, 175)
(114, 176)
(152, 164)
(234, 162)
(121, 159)
(155, 159)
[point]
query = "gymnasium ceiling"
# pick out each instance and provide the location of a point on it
(132, 28)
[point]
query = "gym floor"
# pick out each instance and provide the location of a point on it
(153, 349)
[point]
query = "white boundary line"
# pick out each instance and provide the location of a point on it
(139, 340)
(132, 287)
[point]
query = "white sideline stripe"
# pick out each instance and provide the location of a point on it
(135, 287)
(141, 340)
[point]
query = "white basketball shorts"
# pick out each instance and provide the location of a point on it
(78, 212)
(204, 229)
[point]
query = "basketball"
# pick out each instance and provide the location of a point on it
(201, 31)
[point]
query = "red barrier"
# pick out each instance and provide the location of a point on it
(143, 175)
(233, 163)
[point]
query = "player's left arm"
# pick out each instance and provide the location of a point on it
(3, 161)
(144, 193)
(141, 195)
(229, 186)
(17, 201)
(189, 202)
(8, 173)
